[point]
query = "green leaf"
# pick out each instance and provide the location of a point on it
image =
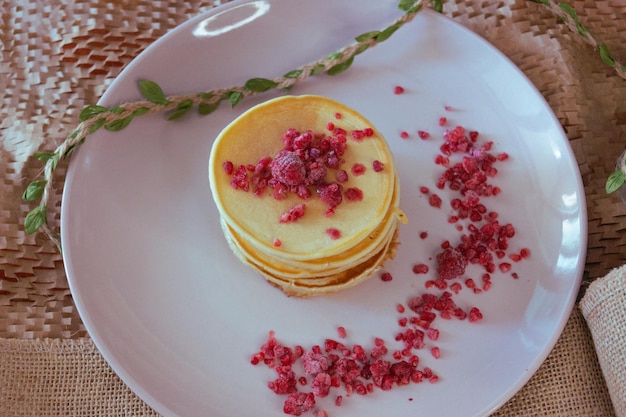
(91, 111)
(117, 125)
(339, 68)
(207, 108)
(152, 92)
(335, 55)
(43, 156)
(34, 190)
(569, 10)
(317, 69)
(406, 5)
(117, 110)
(544, 2)
(141, 111)
(234, 97)
(97, 125)
(361, 49)
(582, 31)
(70, 150)
(615, 181)
(367, 35)
(293, 74)
(259, 85)
(35, 219)
(437, 6)
(606, 56)
(387, 32)
(181, 109)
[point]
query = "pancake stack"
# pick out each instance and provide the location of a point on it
(308, 194)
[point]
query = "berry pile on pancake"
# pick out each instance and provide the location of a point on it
(308, 194)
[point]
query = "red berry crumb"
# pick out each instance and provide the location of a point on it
(420, 269)
(293, 214)
(386, 277)
(358, 169)
(398, 90)
(298, 403)
(354, 194)
(333, 233)
(435, 201)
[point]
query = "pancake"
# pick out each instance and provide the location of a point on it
(307, 192)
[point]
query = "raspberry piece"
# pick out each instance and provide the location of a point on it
(451, 264)
(354, 194)
(298, 403)
(288, 168)
(293, 214)
(331, 194)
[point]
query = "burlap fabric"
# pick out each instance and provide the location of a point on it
(603, 308)
(57, 57)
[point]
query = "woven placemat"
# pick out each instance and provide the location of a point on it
(58, 57)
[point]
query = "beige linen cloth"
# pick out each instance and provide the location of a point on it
(603, 306)
(58, 57)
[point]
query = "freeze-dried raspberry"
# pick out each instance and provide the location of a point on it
(288, 168)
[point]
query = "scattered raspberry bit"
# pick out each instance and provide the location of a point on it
(436, 352)
(298, 403)
(333, 233)
(420, 269)
(404, 134)
(447, 108)
(424, 190)
(293, 214)
(239, 179)
(423, 235)
(338, 116)
(330, 126)
(443, 121)
(341, 332)
(228, 167)
(423, 135)
(435, 201)
(331, 194)
(386, 277)
(354, 194)
(342, 176)
(475, 315)
(398, 90)
(369, 132)
(451, 264)
(378, 166)
(504, 267)
(358, 169)
(357, 135)
(277, 243)
(525, 253)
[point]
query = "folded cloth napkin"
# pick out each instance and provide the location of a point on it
(604, 309)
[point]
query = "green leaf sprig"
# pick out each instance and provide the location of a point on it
(95, 117)
(618, 177)
(570, 17)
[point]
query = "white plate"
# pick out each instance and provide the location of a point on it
(177, 316)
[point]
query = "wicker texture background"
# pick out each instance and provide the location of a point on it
(58, 57)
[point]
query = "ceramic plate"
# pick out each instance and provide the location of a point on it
(178, 317)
